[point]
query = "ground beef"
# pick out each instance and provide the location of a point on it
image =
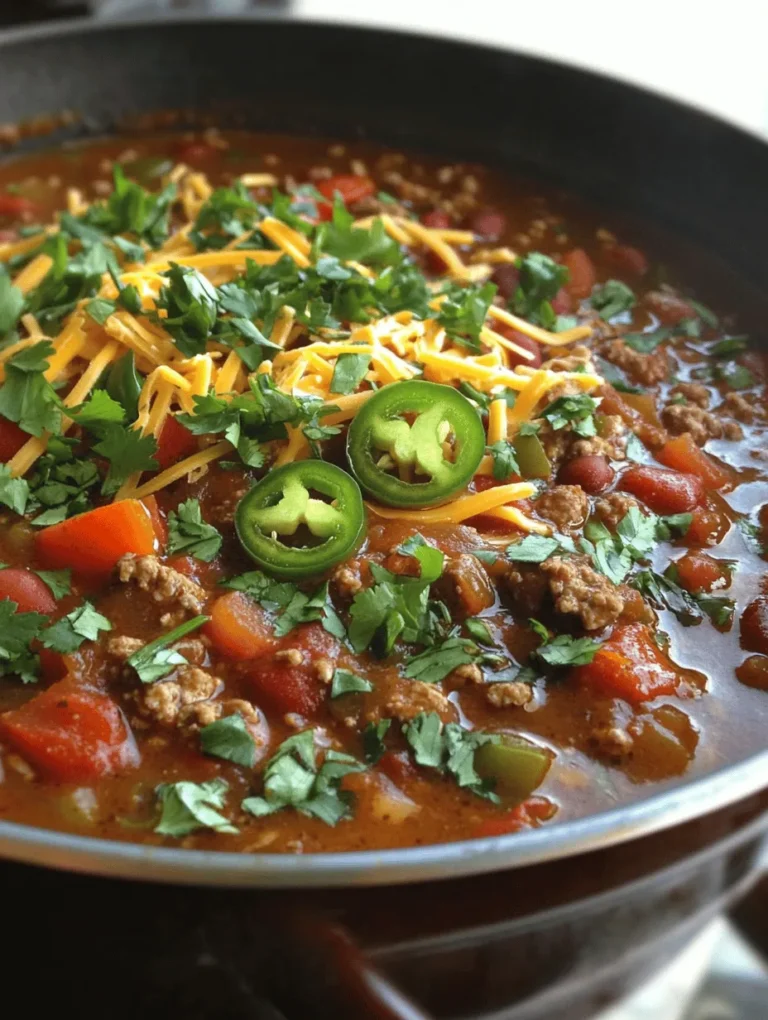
(611, 443)
(737, 406)
(203, 713)
(693, 392)
(372, 206)
(163, 583)
(700, 424)
(528, 588)
(469, 673)
(647, 369)
(507, 695)
(566, 506)
(580, 590)
(413, 697)
(611, 742)
(346, 579)
(164, 700)
(613, 508)
(122, 646)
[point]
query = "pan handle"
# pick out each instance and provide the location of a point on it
(339, 981)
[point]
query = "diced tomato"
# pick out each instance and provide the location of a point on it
(186, 565)
(488, 224)
(30, 593)
(93, 542)
(753, 672)
(12, 438)
(175, 443)
(71, 733)
(524, 816)
(754, 626)
(239, 628)
(698, 573)
(507, 278)
(708, 527)
(582, 276)
(158, 521)
(663, 491)
(15, 206)
(286, 687)
(522, 341)
(627, 259)
(352, 188)
(683, 454)
(629, 665)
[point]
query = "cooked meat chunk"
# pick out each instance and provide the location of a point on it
(373, 206)
(580, 590)
(694, 393)
(738, 407)
(613, 508)
(346, 579)
(164, 700)
(647, 369)
(700, 424)
(469, 673)
(203, 713)
(122, 646)
(566, 506)
(413, 696)
(528, 588)
(514, 693)
(163, 583)
(611, 443)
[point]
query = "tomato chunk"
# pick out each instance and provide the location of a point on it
(582, 276)
(30, 593)
(93, 542)
(175, 443)
(627, 259)
(285, 685)
(754, 626)
(12, 438)
(708, 527)
(239, 628)
(683, 454)
(158, 521)
(71, 733)
(14, 206)
(664, 492)
(352, 188)
(629, 665)
(698, 572)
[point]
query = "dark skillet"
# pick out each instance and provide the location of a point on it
(555, 938)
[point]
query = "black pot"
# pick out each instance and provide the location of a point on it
(548, 923)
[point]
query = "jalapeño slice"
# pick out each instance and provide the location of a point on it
(286, 505)
(414, 444)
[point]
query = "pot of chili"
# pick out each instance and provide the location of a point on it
(201, 291)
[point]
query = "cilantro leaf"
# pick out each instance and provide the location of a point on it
(664, 593)
(98, 410)
(68, 633)
(612, 298)
(227, 214)
(371, 246)
(540, 280)
(129, 209)
(127, 451)
(190, 535)
(724, 348)
(348, 372)
(17, 630)
(373, 740)
(191, 303)
(100, 309)
(577, 411)
(565, 650)
(504, 460)
(308, 608)
(345, 682)
(229, 738)
(157, 659)
(14, 492)
(270, 594)
(294, 778)
(434, 664)
(752, 534)
(464, 310)
(738, 377)
(123, 383)
(58, 581)
(646, 343)
(450, 749)
(11, 303)
(635, 449)
(26, 396)
(479, 630)
(532, 549)
(187, 806)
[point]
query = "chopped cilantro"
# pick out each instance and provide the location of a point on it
(190, 535)
(540, 280)
(577, 411)
(349, 371)
(127, 451)
(532, 549)
(26, 396)
(187, 806)
(563, 650)
(479, 630)
(57, 581)
(612, 298)
(11, 303)
(346, 682)
(646, 343)
(14, 492)
(229, 738)
(449, 749)
(434, 664)
(504, 460)
(635, 450)
(373, 740)
(17, 631)
(464, 310)
(68, 633)
(157, 659)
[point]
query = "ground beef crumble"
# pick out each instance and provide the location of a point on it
(613, 508)
(579, 589)
(512, 694)
(647, 369)
(163, 583)
(565, 506)
(694, 393)
(699, 423)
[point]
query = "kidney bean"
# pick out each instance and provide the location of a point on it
(561, 303)
(627, 259)
(437, 219)
(593, 473)
(669, 308)
(522, 341)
